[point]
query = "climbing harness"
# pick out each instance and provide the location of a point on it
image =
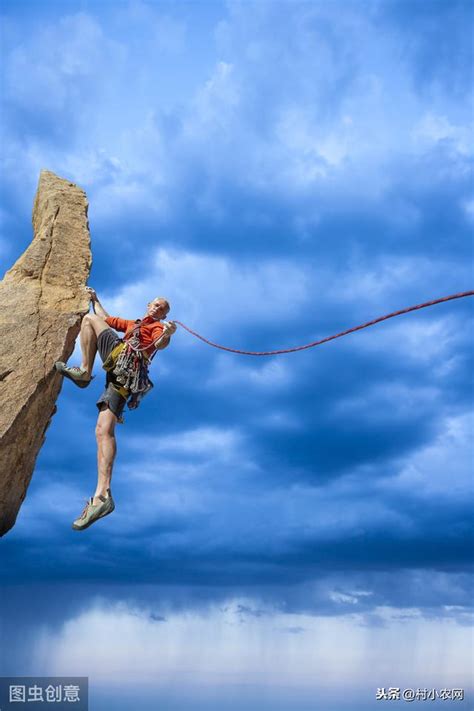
(328, 338)
(127, 367)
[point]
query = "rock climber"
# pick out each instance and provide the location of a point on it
(126, 361)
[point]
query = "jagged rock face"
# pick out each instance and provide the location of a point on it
(42, 301)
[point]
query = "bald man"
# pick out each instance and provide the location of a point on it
(143, 337)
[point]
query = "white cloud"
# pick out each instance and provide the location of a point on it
(345, 598)
(330, 127)
(387, 398)
(394, 275)
(468, 207)
(42, 71)
(417, 340)
(251, 648)
(220, 442)
(171, 34)
(258, 110)
(433, 129)
(270, 375)
(215, 104)
(278, 420)
(211, 292)
(443, 468)
(48, 508)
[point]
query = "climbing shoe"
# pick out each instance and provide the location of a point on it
(79, 376)
(92, 512)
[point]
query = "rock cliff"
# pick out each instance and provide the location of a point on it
(42, 301)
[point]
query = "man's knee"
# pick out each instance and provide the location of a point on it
(94, 322)
(103, 432)
(105, 427)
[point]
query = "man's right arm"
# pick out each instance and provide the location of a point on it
(169, 327)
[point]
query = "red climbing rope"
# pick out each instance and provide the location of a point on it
(329, 338)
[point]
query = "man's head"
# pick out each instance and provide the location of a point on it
(158, 308)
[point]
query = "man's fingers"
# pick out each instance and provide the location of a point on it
(170, 327)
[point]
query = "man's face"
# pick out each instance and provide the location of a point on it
(157, 309)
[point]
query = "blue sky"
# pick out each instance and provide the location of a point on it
(290, 533)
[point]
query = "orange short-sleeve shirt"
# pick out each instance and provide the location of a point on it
(150, 329)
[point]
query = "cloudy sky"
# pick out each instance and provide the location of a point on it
(291, 533)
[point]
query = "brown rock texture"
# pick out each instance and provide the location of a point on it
(42, 301)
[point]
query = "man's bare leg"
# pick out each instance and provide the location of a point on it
(91, 327)
(106, 451)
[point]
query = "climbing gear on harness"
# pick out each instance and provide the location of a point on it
(328, 338)
(127, 368)
(111, 360)
(166, 332)
(131, 369)
(78, 375)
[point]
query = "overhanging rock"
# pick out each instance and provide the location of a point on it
(42, 301)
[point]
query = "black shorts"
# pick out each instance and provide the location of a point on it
(110, 398)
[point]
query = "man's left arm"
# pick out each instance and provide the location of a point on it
(96, 305)
(164, 339)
